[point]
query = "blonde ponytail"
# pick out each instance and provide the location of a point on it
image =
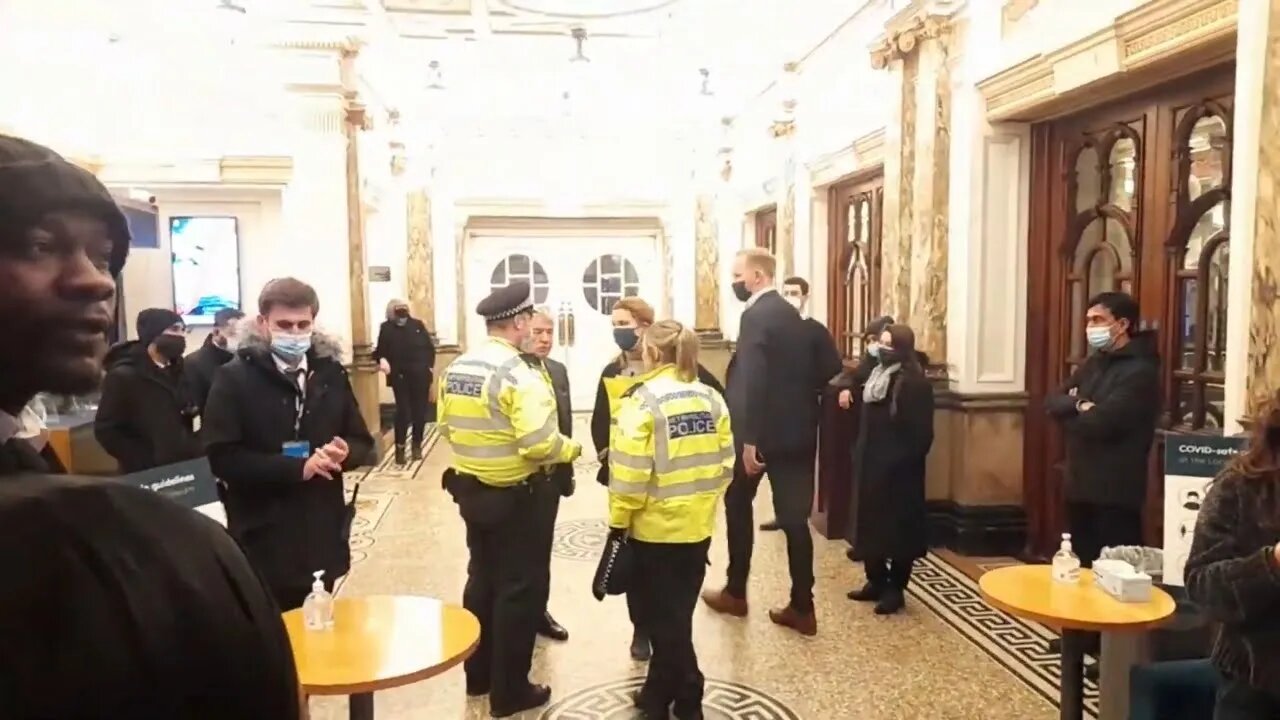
(674, 343)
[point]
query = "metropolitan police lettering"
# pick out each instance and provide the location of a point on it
(691, 423)
(463, 384)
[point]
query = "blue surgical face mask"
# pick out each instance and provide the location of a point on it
(873, 349)
(290, 348)
(626, 338)
(1099, 337)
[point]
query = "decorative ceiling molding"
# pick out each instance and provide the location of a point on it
(1139, 48)
(256, 170)
(585, 9)
(870, 148)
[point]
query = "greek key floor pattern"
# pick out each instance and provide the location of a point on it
(946, 657)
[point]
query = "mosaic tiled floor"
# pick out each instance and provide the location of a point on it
(947, 657)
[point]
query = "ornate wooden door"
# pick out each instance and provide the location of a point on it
(1129, 197)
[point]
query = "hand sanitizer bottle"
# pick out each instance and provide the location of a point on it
(1066, 565)
(317, 609)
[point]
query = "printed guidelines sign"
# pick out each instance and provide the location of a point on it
(1190, 464)
(190, 484)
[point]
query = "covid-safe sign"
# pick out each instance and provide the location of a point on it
(1190, 464)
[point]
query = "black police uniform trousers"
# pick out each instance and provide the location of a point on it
(791, 479)
(508, 580)
(412, 390)
(668, 577)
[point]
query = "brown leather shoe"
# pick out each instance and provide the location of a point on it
(789, 617)
(724, 603)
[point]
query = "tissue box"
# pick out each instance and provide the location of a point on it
(1121, 581)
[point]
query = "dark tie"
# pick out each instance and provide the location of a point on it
(17, 456)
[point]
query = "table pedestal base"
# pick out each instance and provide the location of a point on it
(361, 706)
(1072, 681)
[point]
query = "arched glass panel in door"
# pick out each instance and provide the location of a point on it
(1201, 248)
(607, 279)
(521, 267)
(1100, 255)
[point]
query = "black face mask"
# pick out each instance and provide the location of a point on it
(889, 356)
(741, 292)
(171, 347)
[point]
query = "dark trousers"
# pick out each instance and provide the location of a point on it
(412, 391)
(550, 536)
(669, 578)
(633, 611)
(508, 579)
(1094, 527)
(1238, 700)
(791, 478)
(292, 598)
(888, 573)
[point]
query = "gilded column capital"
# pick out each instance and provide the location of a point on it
(905, 40)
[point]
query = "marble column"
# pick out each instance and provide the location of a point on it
(1256, 164)
(364, 377)
(783, 132)
(706, 248)
(914, 228)
(419, 266)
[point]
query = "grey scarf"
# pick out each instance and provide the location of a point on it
(877, 386)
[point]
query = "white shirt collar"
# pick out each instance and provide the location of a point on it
(286, 369)
(756, 296)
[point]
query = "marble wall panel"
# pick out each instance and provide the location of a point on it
(706, 246)
(1264, 322)
(419, 258)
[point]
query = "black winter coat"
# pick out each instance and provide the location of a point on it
(120, 603)
(600, 418)
(407, 348)
(887, 515)
(1107, 445)
(289, 527)
(199, 368)
(1233, 575)
(144, 417)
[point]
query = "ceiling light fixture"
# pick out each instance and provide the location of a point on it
(706, 83)
(579, 35)
(231, 6)
(435, 76)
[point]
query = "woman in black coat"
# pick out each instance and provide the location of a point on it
(630, 316)
(1233, 573)
(887, 515)
(406, 354)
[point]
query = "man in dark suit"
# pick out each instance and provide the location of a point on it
(541, 334)
(825, 357)
(775, 431)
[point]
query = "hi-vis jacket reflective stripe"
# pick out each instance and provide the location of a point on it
(670, 459)
(499, 415)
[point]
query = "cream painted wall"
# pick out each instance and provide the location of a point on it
(1050, 25)
(836, 93)
(148, 276)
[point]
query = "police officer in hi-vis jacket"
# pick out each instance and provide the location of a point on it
(499, 416)
(669, 462)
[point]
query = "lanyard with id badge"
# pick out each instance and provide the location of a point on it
(297, 448)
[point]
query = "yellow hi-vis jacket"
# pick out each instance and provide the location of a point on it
(499, 416)
(670, 459)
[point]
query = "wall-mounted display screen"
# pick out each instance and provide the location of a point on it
(206, 266)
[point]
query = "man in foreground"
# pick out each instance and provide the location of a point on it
(499, 418)
(282, 425)
(770, 379)
(117, 603)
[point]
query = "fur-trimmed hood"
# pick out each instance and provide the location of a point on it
(324, 345)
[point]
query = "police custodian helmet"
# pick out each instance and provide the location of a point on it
(506, 302)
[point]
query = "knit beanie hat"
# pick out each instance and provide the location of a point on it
(35, 181)
(877, 326)
(152, 323)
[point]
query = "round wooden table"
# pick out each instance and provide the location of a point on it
(1028, 591)
(380, 642)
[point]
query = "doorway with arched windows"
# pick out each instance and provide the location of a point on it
(1132, 196)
